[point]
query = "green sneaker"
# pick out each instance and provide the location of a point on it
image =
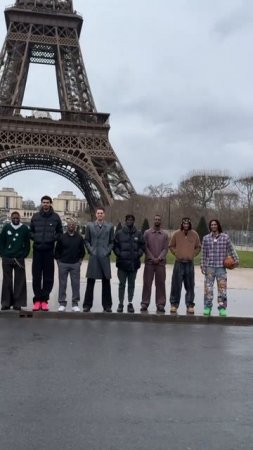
(222, 312)
(207, 311)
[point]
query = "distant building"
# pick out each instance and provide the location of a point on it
(67, 204)
(9, 199)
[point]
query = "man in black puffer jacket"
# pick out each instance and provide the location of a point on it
(46, 228)
(128, 248)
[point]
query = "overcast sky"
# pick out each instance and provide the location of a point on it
(176, 77)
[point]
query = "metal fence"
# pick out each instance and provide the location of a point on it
(241, 239)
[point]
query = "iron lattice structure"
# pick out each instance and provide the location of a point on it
(73, 141)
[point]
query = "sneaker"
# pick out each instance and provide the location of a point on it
(207, 311)
(37, 306)
(44, 306)
(75, 308)
(190, 310)
(62, 308)
(144, 307)
(16, 308)
(108, 309)
(173, 309)
(130, 308)
(120, 308)
(160, 309)
(86, 308)
(222, 312)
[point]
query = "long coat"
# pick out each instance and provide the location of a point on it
(99, 242)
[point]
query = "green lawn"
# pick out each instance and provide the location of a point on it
(246, 258)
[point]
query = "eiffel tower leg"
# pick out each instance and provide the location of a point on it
(13, 73)
(74, 90)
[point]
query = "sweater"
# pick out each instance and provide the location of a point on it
(15, 242)
(69, 248)
(185, 246)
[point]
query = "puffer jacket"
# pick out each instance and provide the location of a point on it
(128, 247)
(46, 228)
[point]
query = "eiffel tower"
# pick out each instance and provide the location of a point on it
(72, 141)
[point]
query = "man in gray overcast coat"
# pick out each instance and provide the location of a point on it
(98, 240)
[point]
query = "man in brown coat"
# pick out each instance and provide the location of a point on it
(156, 249)
(185, 245)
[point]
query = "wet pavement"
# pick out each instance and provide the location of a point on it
(152, 382)
(111, 385)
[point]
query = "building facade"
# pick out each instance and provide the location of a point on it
(66, 205)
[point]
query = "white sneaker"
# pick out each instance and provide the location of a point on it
(62, 308)
(76, 308)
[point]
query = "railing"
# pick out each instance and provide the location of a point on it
(44, 9)
(29, 112)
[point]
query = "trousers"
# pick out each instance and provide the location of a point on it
(43, 274)
(158, 272)
(106, 293)
(183, 273)
(220, 274)
(72, 270)
(128, 277)
(14, 292)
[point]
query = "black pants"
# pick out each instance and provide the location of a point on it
(13, 293)
(183, 272)
(106, 293)
(43, 274)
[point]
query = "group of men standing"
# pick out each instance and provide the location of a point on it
(128, 244)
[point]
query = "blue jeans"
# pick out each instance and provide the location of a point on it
(183, 272)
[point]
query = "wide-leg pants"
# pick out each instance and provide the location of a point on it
(158, 272)
(14, 292)
(183, 273)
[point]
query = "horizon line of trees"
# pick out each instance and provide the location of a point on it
(208, 194)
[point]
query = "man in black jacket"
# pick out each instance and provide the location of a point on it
(128, 248)
(46, 228)
(69, 253)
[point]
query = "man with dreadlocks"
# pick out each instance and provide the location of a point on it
(185, 245)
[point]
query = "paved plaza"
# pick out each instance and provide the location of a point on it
(240, 292)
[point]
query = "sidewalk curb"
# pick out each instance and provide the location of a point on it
(125, 317)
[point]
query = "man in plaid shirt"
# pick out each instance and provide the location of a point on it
(215, 247)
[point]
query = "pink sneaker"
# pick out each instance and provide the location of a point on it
(36, 306)
(44, 306)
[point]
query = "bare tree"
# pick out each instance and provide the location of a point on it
(226, 203)
(244, 185)
(164, 194)
(199, 187)
(159, 191)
